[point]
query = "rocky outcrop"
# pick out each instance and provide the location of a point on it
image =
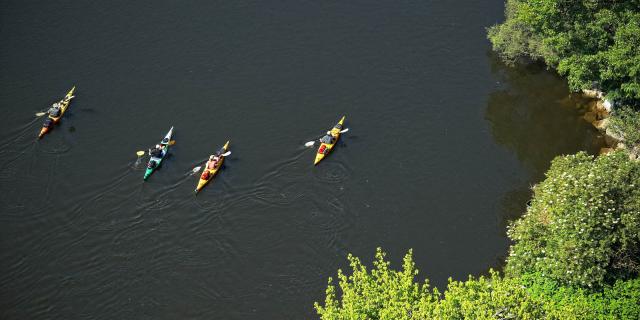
(597, 113)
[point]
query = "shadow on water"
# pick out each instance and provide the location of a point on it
(533, 115)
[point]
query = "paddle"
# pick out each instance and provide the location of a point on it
(40, 114)
(196, 169)
(311, 143)
(141, 153)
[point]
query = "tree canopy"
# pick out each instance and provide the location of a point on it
(595, 43)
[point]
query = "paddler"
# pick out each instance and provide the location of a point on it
(213, 161)
(328, 139)
(157, 151)
(55, 110)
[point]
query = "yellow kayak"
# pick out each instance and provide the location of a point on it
(208, 173)
(329, 141)
(54, 120)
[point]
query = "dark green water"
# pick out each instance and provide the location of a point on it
(444, 144)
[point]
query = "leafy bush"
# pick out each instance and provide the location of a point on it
(583, 225)
(619, 301)
(384, 293)
(490, 297)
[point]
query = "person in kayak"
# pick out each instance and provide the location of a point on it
(157, 151)
(328, 139)
(55, 110)
(213, 161)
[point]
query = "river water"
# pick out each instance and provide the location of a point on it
(443, 147)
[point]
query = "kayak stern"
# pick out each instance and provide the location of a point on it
(43, 131)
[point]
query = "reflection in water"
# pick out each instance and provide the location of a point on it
(533, 115)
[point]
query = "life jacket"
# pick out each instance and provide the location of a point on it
(322, 148)
(205, 175)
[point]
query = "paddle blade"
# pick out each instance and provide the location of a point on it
(310, 143)
(226, 154)
(172, 142)
(140, 153)
(196, 169)
(40, 114)
(345, 130)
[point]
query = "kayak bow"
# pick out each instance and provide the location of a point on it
(155, 162)
(54, 120)
(208, 174)
(325, 148)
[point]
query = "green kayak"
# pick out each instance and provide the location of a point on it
(155, 161)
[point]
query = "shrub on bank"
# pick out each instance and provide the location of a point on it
(626, 121)
(385, 293)
(583, 225)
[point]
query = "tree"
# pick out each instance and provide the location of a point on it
(592, 42)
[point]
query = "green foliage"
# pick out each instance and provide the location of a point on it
(583, 225)
(589, 41)
(627, 121)
(619, 301)
(384, 293)
(490, 297)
